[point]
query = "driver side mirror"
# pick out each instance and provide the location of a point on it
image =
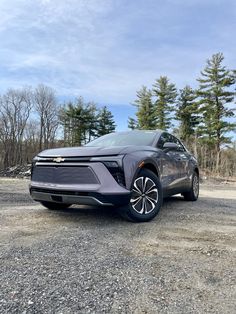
(170, 146)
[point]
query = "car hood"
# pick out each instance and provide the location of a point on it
(88, 151)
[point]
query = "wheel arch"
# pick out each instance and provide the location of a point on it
(133, 164)
(151, 167)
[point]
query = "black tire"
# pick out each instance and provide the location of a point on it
(54, 206)
(192, 195)
(144, 206)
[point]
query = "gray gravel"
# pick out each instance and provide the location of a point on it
(89, 260)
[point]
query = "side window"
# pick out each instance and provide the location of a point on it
(177, 141)
(165, 137)
(173, 139)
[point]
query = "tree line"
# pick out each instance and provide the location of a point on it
(83, 121)
(32, 120)
(203, 117)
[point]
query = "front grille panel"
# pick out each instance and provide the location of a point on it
(64, 175)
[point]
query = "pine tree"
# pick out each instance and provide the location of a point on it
(105, 122)
(165, 94)
(145, 112)
(234, 78)
(81, 116)
(65, 116)
(214, 92)
(132, 123)
(91, 123)
(187, 113)
(79, 121)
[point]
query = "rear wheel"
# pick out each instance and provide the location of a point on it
(192, 195)
(54, 206)
(146, 197)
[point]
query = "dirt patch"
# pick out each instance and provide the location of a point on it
(89, 260)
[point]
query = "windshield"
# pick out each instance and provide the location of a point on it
(140, 138)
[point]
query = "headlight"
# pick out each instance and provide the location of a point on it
(110, 161)
(115, 166)
(111, 164)
(35, 159)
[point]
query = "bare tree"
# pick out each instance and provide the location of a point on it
(47, 108)
(31, 140)
(15, 109)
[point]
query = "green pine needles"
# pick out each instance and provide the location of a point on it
(204, 112)
(83, 121)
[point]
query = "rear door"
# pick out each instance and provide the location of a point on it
(182, 158)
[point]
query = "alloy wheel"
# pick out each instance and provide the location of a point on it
(144, 195)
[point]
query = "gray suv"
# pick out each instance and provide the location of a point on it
(132, 171)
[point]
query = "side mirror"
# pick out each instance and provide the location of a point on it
(170, 146)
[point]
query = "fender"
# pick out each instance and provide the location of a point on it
(132, 164)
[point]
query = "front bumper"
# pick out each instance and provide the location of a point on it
(91, 198)
(105, 191)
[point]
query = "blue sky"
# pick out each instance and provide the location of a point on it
(106, 50)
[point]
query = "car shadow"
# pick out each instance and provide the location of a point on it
(173, 204)
(83, 211)
(100, 213)
(175, 198)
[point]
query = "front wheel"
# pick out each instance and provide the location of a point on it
(55, 206)
(146, 197)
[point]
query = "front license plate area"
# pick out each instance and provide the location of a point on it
(56, 198)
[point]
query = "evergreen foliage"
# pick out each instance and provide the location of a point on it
(145, 112)
(105, 122)
(132, 123)
(206, 116)
(187, 113)
(215, 94)
(165, 94)
(83, 122)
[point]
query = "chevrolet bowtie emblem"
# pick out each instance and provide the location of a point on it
(58, 159)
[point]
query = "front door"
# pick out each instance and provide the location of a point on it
(174, 165)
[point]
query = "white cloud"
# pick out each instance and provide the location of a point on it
(105, 50)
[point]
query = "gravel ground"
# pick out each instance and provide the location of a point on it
(89, 260)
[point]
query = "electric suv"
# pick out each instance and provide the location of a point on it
(132, 171)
